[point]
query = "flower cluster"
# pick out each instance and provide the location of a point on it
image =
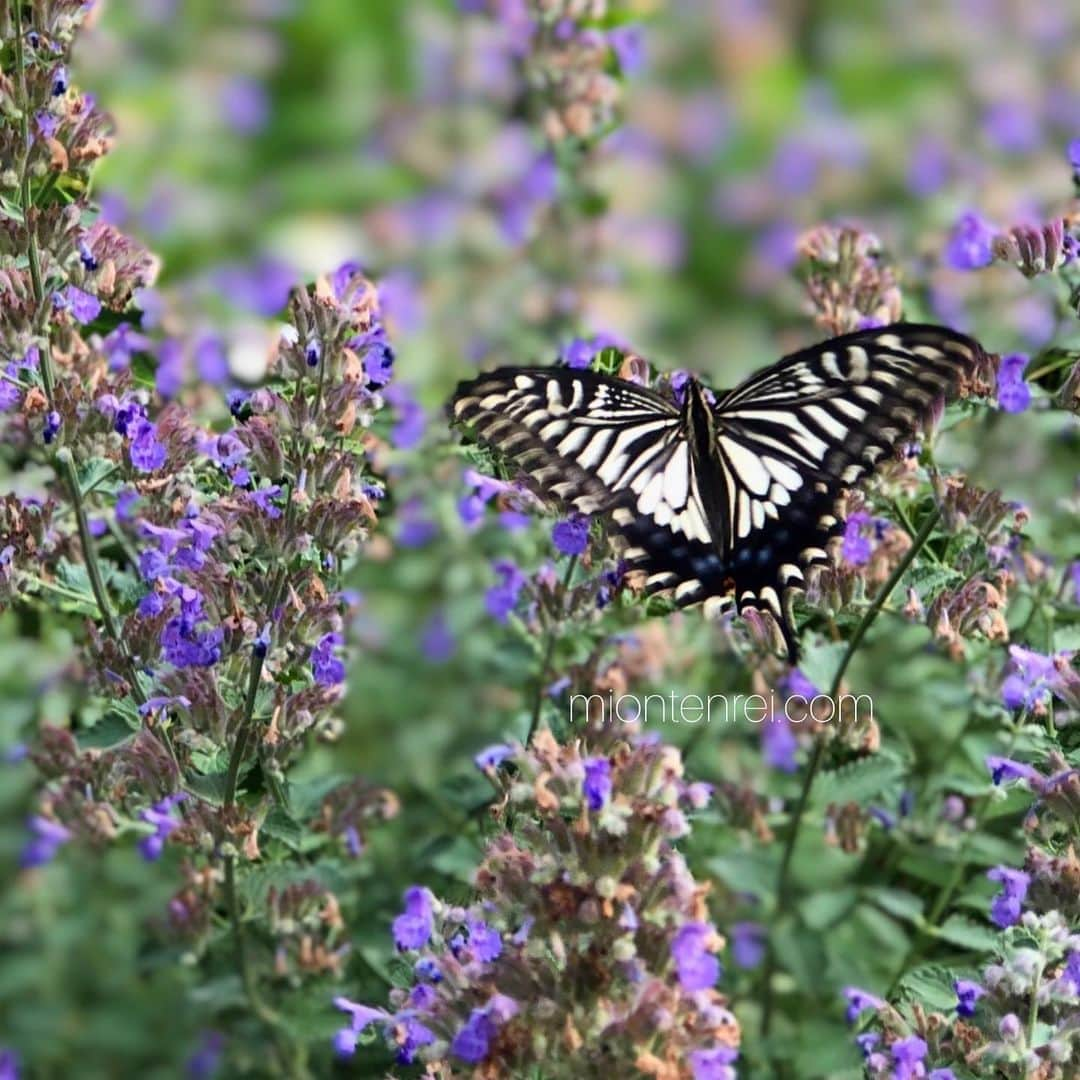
(848, 285)
(1017, 1018)
(589, 943)
(566, 59)
(204, 547)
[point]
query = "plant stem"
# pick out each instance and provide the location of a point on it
(27, 203)
(783, 881)
(549, 651)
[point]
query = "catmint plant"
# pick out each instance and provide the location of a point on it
(199, 552)
(588, 944)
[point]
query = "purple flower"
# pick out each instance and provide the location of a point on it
(866, 1042)
(437, 640)
(779, 745)
(159, 815)
(578, 354)
(147, 453)
(747, 944)
(360, 1016)
(970, 245)
(211, 359)
(501, 599)
(411, 419)
(1012, 126)
(415, 1035)
(571, 536)
(714, 1064)
(1003, 770)
(941, 1074)
(1031, 679)
(9, 1064)
(121, 344)
(492, 757)
(628, 44)
(47, 837)
(908, 1055)
(1071, 974)
(84, 308)
(795, 166)
(696, 967)
(327, 668)
(245, 105)
(473, 1039)
(205, 1062)
(412, 928)
(928, 167)
(262, 499)
(1006, 907)
(1013, 393)
(796, 682)
(857, 548)
(596, 786)
(169, 377)
(858, 1002)
(52, 426)
(967, 994)
(485, 942)
(59, 81)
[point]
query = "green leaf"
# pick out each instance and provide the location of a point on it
(958, 930)
(94, 473)
(897, 902)
(281, 827)
(859, 781)
(931, 985)
(820, 910)
(821, 663)
(211, 788)
(111, 730)
(745, 871)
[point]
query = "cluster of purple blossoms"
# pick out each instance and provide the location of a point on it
(587, 930)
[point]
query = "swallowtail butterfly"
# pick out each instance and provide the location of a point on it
(729, 498)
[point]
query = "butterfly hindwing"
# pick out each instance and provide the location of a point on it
(746, 513)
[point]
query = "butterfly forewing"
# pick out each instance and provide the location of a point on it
(748, 514)
(594, 442)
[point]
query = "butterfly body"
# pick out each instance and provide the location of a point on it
(728, 499)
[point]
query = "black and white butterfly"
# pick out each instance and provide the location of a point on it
(728, 498)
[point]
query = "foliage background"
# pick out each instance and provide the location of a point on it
(747, 123)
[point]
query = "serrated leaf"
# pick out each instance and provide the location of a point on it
(281, 827)
(897, 902)
(111, 730)
(94, 473)
(211, 788)
(931, 985)
(858, 781)
(958, 930)
(745, 872)
(821, 909)
(1067, 638)
(821, 662)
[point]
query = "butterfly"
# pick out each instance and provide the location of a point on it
(727, 498)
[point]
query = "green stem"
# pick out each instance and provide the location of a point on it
(549, 651)
(1033, 1011)
(26, 199)
(783, 881)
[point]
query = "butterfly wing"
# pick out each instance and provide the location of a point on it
(746, 516)
(595, 442)
(791, 437)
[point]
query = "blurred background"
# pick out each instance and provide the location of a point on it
(262, 142)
